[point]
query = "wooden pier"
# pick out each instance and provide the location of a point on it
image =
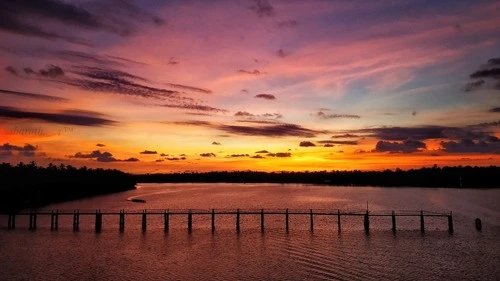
(312, 213)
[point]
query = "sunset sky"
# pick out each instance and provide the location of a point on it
(174, 86)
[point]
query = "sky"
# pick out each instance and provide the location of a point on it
(262, 85)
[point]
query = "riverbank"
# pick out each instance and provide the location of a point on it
(30, 186)
(453, 177)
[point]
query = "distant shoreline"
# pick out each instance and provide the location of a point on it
(29, 186)
(445, 177)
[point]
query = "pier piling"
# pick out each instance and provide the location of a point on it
(12, 221)
(76, 220)
(338, 219)
(213, 220)
(122, 220)
(238, 220)
(262, 220)
(422, 224)
(311, 218)
(393, 222)
(165, 221)
(32, 221)
(190, 221)
(367, 222)
(144, 221)
(286, 220)
(98, 221)
(54, 220)
(450, 223)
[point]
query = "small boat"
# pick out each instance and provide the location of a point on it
(138, 200)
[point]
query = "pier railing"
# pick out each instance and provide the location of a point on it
(237, 213)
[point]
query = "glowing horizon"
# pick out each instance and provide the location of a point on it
(260, 85)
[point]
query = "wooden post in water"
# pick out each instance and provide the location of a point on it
(122, 220)
(262, 220)
(144, 221)
(311, 218)
(422, 224)
(286, 220)
(165, 221)
(98, 221)
(52, 220)
(12, 221)
(450, 223)
(76, 220)
(367, 222)
(190, 221)
(338, 219)
(57, 220)
(32, 225)
(213, 220)
(238, 220)
(393, 222)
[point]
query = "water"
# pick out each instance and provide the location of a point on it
(275, 254)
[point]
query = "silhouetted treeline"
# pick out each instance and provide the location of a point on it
(466, 177)
(30, 186)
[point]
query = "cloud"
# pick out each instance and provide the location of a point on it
(472, 146)
(238, 155)
(280, 154)
(159, 160)
(344, 136)
(33, 96)
(208, 154)
(278, 130)
(27, 150)
(83, 57)
(266, 96)
(11, 70)
(163, 154)
(246, 91)
(280, 53)
(243, 114)
(262, 151)
(474, 85)
(286, 23)
(265, 115)
(80, 118)
(403, 133)
(148, 152)
(488, 72)
(197, 107)
(100, 145)
(323, 115)
(101, 157)
(328, 145)
(52, 71)
(306, 144)
(494, 110)
(338, 142)
(176, 158)
(263, 8)
(254, 72)
(189, 88)
(115, 81)
(216, 143)
(406, 146)
(29, 17)
(258, 157)
(173, 61)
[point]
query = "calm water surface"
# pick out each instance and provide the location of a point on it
(275, 254)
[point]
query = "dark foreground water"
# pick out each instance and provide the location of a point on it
(275, 254)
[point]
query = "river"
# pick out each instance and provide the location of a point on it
(275, 254)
